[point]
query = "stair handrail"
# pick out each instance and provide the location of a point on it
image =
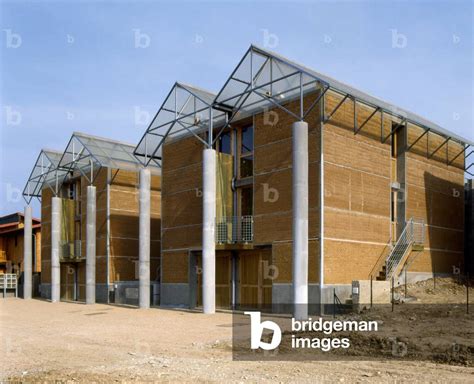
(404, 241)
(413, 233)
(336, 303)
(382, 259)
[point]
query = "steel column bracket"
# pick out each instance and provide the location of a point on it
(417, 140)
(366, 120)
(449, 162)
(185, 107)
(397, 127)
(44, 172)
(438, 148)
(326, 119)
(326, 88)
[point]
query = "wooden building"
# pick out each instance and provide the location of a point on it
(11, 243)
(110, 166)
(386, 184)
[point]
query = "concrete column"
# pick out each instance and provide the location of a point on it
(90, 244)
(321, 219)
(144, 245)
(208, 230)
(55, 243)
(300, 219)
(27, 255)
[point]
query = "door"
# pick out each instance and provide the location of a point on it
(255, 282)
(223, 279)
(68, 282)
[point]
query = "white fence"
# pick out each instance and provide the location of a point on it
(8, 281)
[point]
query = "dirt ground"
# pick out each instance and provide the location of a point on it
(68, 342)
(443, 290)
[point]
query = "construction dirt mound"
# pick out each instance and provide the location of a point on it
(440, 290)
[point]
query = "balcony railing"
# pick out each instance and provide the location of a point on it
(71, 251)
(234, 229)
(8, 281)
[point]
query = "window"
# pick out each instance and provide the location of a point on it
(394, 140)
(225, 143)
(72, 191)
(394, 199)
(246, 166)
(247, 140)
(246, 208)
(246, 152)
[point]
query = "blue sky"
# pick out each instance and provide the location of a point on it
(77, 67)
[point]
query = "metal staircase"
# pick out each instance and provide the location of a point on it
(411, 238)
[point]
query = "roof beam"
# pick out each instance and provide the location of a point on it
(336, 108)
(366, 120)
(397, 127)
(438, 148)
(417, 140)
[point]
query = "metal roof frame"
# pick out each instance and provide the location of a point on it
(253, 85)
(184, 109)
(261, 80)
(87, 154)
(264, 79)
(45, 171)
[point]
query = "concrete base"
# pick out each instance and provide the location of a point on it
(175, 295)
(45, 291)
(127, 292)
(35, 287)
(282, 295)
(118, 295)
(101, 293)
(361, 296)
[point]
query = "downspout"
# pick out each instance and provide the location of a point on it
(107, 240)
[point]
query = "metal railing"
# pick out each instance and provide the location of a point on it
(8, 281)
(234, 229)
(71, 251)
(413, 233)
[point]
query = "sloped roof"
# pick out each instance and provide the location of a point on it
(45, 169)
(86, 152)
(265, 67)
(185, 107)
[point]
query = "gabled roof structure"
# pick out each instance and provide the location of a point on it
(45, 170)
(185, 108)
(264, 79)
(84, 153)
(275, 76)
(87, 154)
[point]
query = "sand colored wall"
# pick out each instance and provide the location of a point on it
(357, 191)
(357, 194)
(124, 228)
(123, 231)
(435, 193)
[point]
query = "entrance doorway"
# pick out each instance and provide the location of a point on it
(255, 284)
(243, 279)
(223, 279)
